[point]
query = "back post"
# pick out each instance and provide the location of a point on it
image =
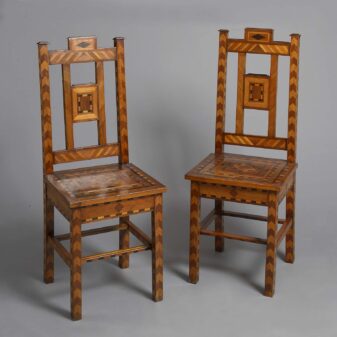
(293, 97)
(123, 142)
(221, 91)
(47, 143)
(219, 127)
(121, 102)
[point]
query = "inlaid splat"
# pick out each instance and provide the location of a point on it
(84, 102)
(256, 91)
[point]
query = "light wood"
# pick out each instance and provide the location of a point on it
(85, 153)
(271, 48)
(82, 43)
(78, 56)
(255, 141)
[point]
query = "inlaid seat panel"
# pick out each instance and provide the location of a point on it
(243, 171)
(101, 184)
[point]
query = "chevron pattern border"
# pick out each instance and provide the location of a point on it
(194, 233)
(75, 267)
(241, 46)
(255, 141)
(86, 153)
(221, 92)
(271, 245)
(157, 250)
(77, 56)
(293, 97)
(290, 236)
(121, 101)
(47, 143)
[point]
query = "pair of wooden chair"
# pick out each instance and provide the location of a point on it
(86, 195)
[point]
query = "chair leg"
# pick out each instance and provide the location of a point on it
(271, 245)
(194, 233)
(124, 242)
(219, 227)
(290, 236)
(75, 268)
(157, 249)
(48, 254)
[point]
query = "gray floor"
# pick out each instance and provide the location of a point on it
(226, 300)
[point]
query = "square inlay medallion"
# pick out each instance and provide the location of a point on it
(84, 98)
(256, 92)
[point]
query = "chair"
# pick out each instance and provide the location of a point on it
(248, 179)
(87, 195)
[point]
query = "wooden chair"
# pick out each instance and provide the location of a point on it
(247, 179)
(87, 195)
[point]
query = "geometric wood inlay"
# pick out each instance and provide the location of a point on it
(84, 99)
(257, 34)
(256, 91)
(102, 182)
(241, 170)
(82, 43)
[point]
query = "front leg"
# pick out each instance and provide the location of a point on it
(75, 267)
(271, 245)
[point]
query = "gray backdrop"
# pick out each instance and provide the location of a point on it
(171, 60)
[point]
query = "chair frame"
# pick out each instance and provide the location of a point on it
(256, 41)
(84, 49)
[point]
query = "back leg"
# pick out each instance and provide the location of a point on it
(48, 232)
(219, 226)
(124, 240)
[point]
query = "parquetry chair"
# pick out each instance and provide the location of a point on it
(247, 179)
(87, 195)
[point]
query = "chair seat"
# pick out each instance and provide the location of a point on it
(102, 184)
(243, 171)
